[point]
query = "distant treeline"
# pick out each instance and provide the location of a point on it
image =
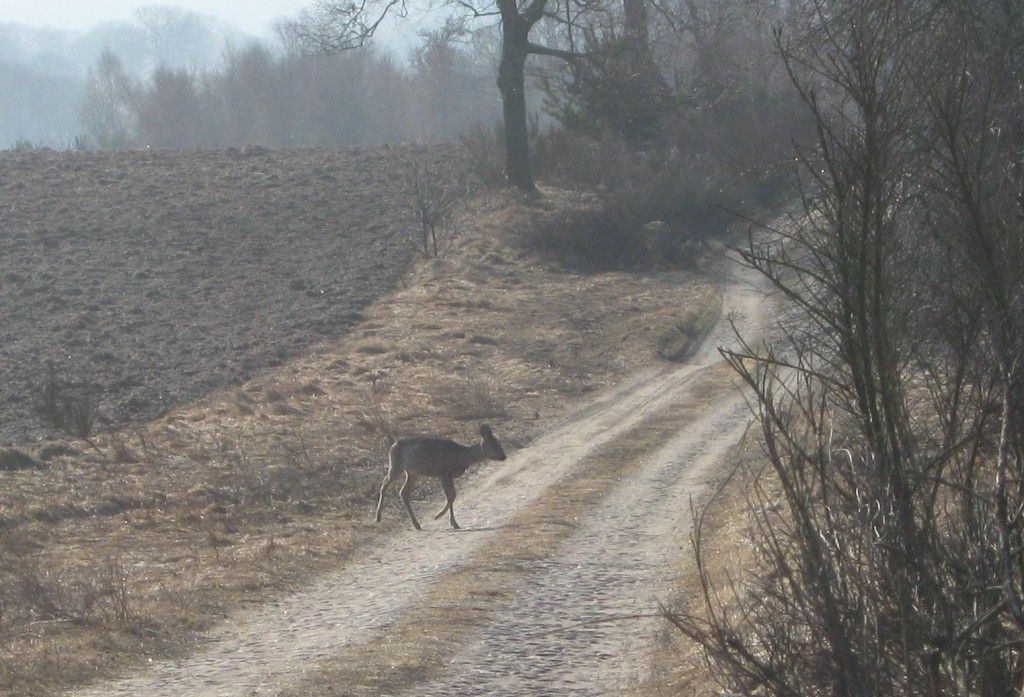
(172, 78)
(290, 100)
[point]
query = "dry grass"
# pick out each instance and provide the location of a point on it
(110, 558)
(677, 664)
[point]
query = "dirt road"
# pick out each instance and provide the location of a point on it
(586, 524)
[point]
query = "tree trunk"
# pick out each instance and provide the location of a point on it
(635, 16)
(515, 32)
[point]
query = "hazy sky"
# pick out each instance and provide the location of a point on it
(252, 16)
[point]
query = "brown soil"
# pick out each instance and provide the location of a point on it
(159, 276)
(231, 527)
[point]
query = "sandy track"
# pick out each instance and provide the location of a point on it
(618, 558)
(554, 638)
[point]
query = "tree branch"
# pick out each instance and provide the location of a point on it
(533, 12)
(539, 50)
(333, 27)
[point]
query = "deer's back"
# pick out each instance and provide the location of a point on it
(431, 457)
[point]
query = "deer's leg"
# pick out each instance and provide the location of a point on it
(448, 484)
(447, 505)
(383, 487)
(404, 493)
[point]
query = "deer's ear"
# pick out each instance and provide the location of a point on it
(485, 431)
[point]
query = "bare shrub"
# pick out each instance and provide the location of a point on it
(377, 422)
(67, 406)
(104, 598)
(117, 592)
(591, 238)
(432, 195)
(887, 535)
(32, 593)
(12, 460)
(123, 454)
(606, 232)
(484, 154)
(574, 159)
(470, 397)
(39, 595)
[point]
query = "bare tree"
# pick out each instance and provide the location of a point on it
(107, 112)
(432, 196)
(334, 26)
(450, 83)
(177, 37)
(977, 118)
(169, 111)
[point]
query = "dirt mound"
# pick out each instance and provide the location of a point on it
(158, 276)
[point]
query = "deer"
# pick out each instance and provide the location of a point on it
(440, 458)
